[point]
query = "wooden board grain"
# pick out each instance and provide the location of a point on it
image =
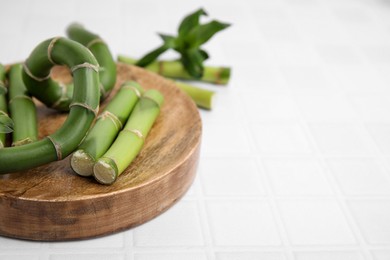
(52, 203)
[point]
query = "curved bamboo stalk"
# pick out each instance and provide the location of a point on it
(131, 139)
(107, 71)
(22, 109)
(83, 109)
(106, 128)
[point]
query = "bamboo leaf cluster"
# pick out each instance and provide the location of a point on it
(188, 42)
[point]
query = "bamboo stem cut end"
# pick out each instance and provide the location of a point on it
(82, 163)
(105, 171)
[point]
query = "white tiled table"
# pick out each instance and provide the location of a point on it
(295, 161)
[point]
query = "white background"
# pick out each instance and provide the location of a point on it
(295, 160)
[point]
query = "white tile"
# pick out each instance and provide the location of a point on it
(315, 222)
(372, 108)
(260, 107)
(230, 176)
(19, 257)
(226, 106)
(224, 138)
(305, 79)
(357, 78)
(360, 176)
(280, 139)
(338, 54)
(297, 177)
(317, 25)
(381, 254)
(341, 139)
(180, 226)
(377, 53)
(354, 15)
(330, 255)
(110, 241)
(256, 76)
(372, 217)
(365, 34)
(275, 25)
(249, 256)
(294, 54)
(382, 73)
(380, 133)
(170, 256)
(75, 256)
(18, 244)
(242, 223)
(325, 108)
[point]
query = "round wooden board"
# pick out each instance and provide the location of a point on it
(52, 203)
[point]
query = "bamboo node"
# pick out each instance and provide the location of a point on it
(29, 73)
(20, 97)
(94, 41)
(3, 113)
(2, 86)
(57, 147)
(50, 49)
(63, 97)
(137, 132)
(86, 106)
(136, 91)
(107, 114)
(85, 65)
(151, 99)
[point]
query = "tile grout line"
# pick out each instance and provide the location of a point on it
(205, 221)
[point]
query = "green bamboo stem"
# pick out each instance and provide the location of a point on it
(106, 128)
(107, 71)
(83, 109)
(203, 98)
(174, 69)
(3, 102)
(130, 140)
(22, 109)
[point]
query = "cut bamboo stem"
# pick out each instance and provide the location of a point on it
(106, 128)
(175, 70)
(203, 98)
(130, 140)
(22, 109)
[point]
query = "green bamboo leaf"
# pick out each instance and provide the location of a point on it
(205, 55)
(192, 60)
(202, 33)
(169, 41)
(152, 56)
(6, 124)
(190, 22)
